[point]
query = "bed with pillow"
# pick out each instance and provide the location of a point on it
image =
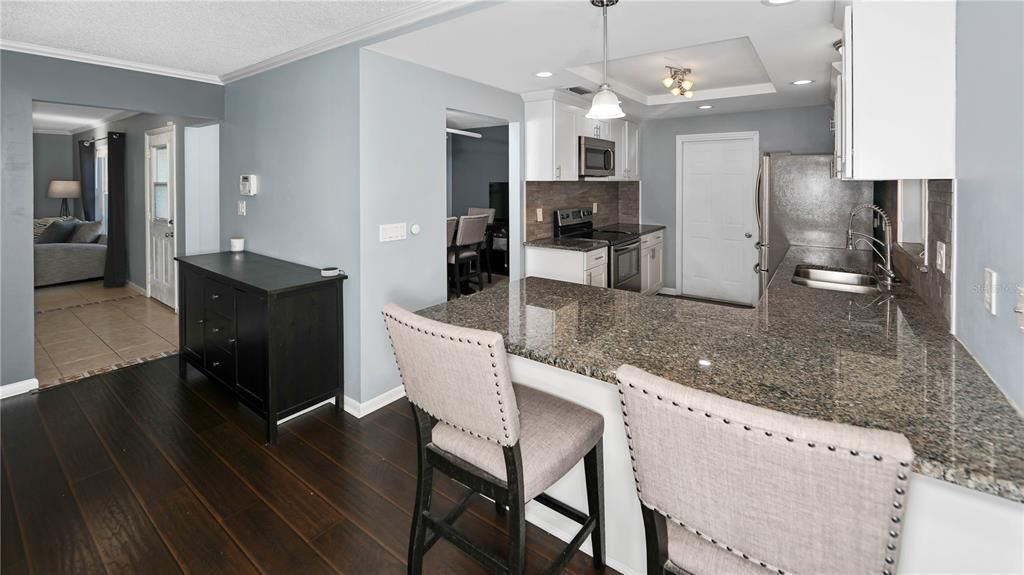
(68, 250)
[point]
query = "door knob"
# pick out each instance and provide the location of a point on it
(748, 235)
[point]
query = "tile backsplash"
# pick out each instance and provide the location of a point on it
(617, 202)
(932, 286)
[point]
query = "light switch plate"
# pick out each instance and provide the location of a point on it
(991, 286)
(241, 207)
(540, 215)
(595, 208)
(392, 232)
(940, 256)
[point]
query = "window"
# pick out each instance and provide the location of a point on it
(161, 183)
(101, 191)
(912, 227)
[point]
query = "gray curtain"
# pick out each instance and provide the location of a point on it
(116, 272)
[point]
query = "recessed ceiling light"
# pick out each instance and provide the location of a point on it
(802, 82)
(706, 107)
(777, 2)
(543, 74)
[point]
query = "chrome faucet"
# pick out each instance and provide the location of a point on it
(851, 241)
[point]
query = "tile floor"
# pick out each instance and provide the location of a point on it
(84, 328)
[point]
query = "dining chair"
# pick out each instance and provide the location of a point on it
(728, 487)
(452, 224)
(486, 248)
(502, 440)
(477, 211)
(469, 239)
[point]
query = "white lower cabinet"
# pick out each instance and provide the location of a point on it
(652, 262)
(588, 268)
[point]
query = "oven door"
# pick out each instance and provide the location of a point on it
(625, 266)
(597, 157)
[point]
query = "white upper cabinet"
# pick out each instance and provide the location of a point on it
(896, 106)
(554, 124)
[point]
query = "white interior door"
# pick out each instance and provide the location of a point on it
(161, 278)
(716, 176)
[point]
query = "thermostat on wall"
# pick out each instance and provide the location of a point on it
(247, 184)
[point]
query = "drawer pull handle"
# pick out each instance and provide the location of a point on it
(202, 322)
(215, 296)
(598, 258)
(232, 340)
(216, 330)
(216, 364)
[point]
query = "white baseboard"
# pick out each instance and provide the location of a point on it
(136, 287)
(669, 291)
(18, 388)
(369, 406)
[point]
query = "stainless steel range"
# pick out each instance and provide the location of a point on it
(624, 247)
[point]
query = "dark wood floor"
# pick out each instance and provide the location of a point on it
(138, 471)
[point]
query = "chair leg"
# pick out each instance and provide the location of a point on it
(657, 544)
(516, 510)
(424, 490)
(458, 278)
(593, 465)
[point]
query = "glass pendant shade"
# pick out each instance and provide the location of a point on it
(667, 81)
(688, 93)
(686, 84)
(605, 105)
(676, 90)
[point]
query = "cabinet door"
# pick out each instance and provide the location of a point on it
(657, 268)
(251, 347)
(192, 312)
(846, 92)
(617, 134)
(646, 259)
(565, 145)
(632, 152)
(596, 276)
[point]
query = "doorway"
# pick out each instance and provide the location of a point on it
(161, 201)
(716, 216)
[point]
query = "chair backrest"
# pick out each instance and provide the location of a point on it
(453, 224)
(472, 230)
(477, 211)
(456, 374)
(794, 494)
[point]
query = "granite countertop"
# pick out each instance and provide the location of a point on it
(641, 229)
(572, 244)
(877, 360)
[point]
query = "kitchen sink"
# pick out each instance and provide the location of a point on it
(830, 279)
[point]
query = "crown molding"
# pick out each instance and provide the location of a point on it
(51, 132)
(74, 56)
(392, 21)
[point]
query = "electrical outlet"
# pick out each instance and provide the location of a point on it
(540, 215)
(1019, 308)
(241, 207)
(940, 256)
(991, 287)
(595, 208)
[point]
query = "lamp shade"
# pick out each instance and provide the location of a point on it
(64, 189)
(605, 105)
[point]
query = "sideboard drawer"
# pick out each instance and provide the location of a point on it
(220, 332)
(220, 298)
(221, 364)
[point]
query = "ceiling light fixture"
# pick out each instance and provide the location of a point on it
(706, 107)
(777, 2)
(605, 105)
(678, 82)
(543, 74)
(802, 82)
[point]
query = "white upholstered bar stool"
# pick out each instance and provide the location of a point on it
(727, 487)
(504, 441)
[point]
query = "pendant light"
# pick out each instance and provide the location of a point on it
(605, 105)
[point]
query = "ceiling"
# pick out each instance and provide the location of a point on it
(469, 121)
(208, 41)
(744, 53)
(50, 118)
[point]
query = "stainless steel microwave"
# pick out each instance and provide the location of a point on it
(597, 157)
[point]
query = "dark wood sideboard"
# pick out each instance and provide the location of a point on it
(267, 329)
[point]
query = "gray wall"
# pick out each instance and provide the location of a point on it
(402, 179)
(475, 163)
(797, 130)
(990, 184)
(24, 78)
(51, 160)
(135, 128)
(297, 128)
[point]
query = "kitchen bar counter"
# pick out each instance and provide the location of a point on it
(880, 360)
